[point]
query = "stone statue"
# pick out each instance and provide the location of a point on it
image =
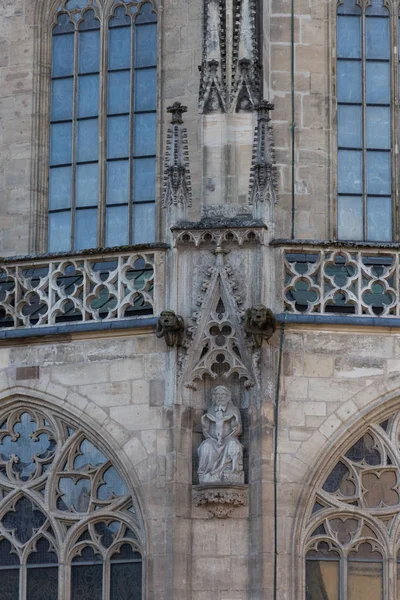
(221, 453)
(171, 327)
(259, 324)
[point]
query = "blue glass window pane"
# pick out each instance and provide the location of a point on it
(63, 55)
(350, 218)
(349, 81)
(117, 226)
(89, 52)
(145, 134)
(145, 89)
(143, 223)
(86, 228)
(87, 185)
(378, 82)
(118, 182)
(349, 126)
(9, 583)
(64, 24)
(350, 172)
(377, 30)
(144, 179)
(118, 137)
(378, 173)
(88, 96)
(377, 8)
(348, 7)
(378, 127)
(60, 231)
(87, 582)
(61, 99)
(119, 84)
(349, 37)
(60, 143)
(379, 219)
(146, 45)
(89, 21)
(42, 583)
(120, 17)
(60, 188)
(146, 14)
(87, 145)
(119, 53)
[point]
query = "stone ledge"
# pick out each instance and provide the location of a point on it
(220, 500)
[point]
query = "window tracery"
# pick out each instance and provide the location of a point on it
(65, 515)
(353, 537)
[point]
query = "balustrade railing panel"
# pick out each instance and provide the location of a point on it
(342, 281)
(74, 289)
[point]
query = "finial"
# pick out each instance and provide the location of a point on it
(177, 110)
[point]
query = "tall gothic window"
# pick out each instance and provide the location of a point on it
(68, 527)
(365, 119)
(353, 543)
(102, 172)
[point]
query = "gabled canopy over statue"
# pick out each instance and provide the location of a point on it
(221, 453)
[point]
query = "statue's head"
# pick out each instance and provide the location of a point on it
(259, 315)
(221, 396)
(168, 320)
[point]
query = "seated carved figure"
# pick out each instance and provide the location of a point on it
(221, 453)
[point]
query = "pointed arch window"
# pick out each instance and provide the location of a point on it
(102, 171)
(68, 527)
(365, 120)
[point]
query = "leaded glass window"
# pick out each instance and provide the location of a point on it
(364, 120)
(69, 529)
(102, 175)
(352, 538)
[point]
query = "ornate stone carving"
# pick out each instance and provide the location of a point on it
(247, 235)
(171, 327)
(218, 347)
(259, 324)
(263, 185)
(177, 183)
(220, 500)
(212, 95)
(221, 453)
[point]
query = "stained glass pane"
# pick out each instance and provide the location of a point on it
(63, 55)
(365, 580)
(350, 217)
(349, 37)
(146, 45)
(145, 89)
(378, 82)
(24, 521)
(9, 584)
(379, 219)
(64, 25)
(143, 223)
(87, 144)
(119, 92)
(86, 582)
(112, 486)
(89, 52)
(8, 555)
(59, 231)
(378, 127)
(42, 584)
(144, 179)
(119, 53)
(126, 581)
(75, 494)
(378, 173)
(350, 172)
(145, 135)
(89, 456)
(377, 30)
(87, 184)
(118, 137)
(107, 532)
(120, 18)
(117, 226)
(349, 81)
(61, 99)
(348, 7)
(60, 144)
(350, 126)
(146, 15)
(86, 228)
(60, 188)
(43, 554)
(322, 580)
(118, 182)
(88, 96)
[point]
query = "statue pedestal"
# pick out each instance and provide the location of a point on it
(219, 499)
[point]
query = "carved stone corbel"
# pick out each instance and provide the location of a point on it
(220, 501)
(171, 327)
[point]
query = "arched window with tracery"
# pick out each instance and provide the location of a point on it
(69, 529)
(102, 169)
(353, 532)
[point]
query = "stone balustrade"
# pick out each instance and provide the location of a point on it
(350, 280)
(52, 290)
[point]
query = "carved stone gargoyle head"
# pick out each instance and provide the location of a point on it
(171, 327)
(259, 324)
